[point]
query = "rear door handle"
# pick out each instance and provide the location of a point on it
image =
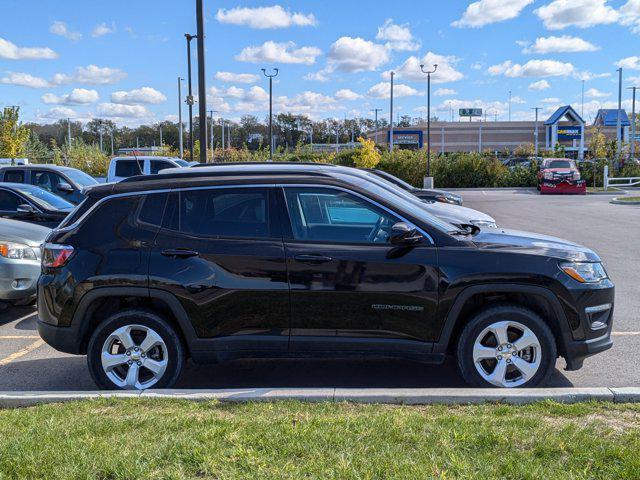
(313, 258)
(179, 253)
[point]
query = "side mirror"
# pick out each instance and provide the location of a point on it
(402, 234)
(64, 187)
(26, 209)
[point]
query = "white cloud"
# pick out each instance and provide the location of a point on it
(91, 74)
(398, 37)
(560, 14)
(632, 63)
(630, 15)
(102, 29)
(306, 102)
(24, 80)
(586, 75)
(10, 51)
(350, 54)
(539, 85)
(552, 100)
(346, 94)
(78, 96)
(119, 110)
(443, 92)
(383, 90)
(533, 68)
(275, 53)
(60, 112)
(565, 43)
(595, 93)
(265, 17)
(61, 29)
(138, 96)
(410, 69)
(484, 12)
(319, 76)
(236, 77)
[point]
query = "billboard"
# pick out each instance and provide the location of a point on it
(409, 138)
(470, 112)
(569, 132)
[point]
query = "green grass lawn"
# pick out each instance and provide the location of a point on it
(601, 190)
(141, 438)
(628, 199)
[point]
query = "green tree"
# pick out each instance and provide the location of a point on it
(13, 135)
(367, 156)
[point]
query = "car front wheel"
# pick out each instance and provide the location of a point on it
(135, 350)
(506, 346)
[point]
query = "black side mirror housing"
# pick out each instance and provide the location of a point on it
(26, 209)
(402, 234)
(64, 187)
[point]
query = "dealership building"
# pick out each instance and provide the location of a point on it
(565, 128)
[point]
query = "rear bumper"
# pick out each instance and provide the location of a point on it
(63, 339)
(18, 279)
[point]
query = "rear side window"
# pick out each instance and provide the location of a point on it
(239, 213)
(151, 209)
(75, 215)
(14, 176)
(8, 201)
(129, 168)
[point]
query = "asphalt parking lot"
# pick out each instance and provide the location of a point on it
(613, 231)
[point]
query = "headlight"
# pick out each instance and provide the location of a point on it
(484, 223)
(17, 251)
(548, 175)
(584, 272)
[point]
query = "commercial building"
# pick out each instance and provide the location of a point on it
(564, 128)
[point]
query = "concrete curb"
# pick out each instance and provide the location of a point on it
(478, 189)
(398, 396)
(622, 202)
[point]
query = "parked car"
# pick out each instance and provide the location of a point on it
(65, 182)
(519, 162)
(125, 167)
(20, 201)
(560, 175)
(19, 261)
(455, 214)
(149, 272)
(428, 194)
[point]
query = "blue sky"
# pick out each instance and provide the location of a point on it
(120, 60)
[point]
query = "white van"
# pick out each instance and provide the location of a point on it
(125, 167)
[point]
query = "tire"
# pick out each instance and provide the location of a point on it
(485, 362)
(119, 336)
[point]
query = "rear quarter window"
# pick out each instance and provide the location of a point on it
(129, 168)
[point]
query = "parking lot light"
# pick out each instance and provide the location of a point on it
(428, 181)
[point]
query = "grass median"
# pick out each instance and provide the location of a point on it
(141, 438)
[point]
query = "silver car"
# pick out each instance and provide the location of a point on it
(19, 261)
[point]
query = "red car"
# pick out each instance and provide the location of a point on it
(560, 175)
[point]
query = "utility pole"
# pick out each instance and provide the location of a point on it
(337, 134)
(270, 77)
(190, 101)
(202, 85)
(180, 117)
(376, 110)
(211, 112)
(391, 116)
(428, 181)
(224, 147)
(582, 109)
(69, 131)
(535, 134)
(619, 116)
(509, 105)
(160, 135)
(632, 150)
(112, 143)
(101, 140)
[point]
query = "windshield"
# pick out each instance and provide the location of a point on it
(405, 201)
(395, 180)
(43, 198)
(80, 177)
(560, 164)
(182, 163)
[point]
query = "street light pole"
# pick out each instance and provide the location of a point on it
(190, 101)
(632, 150)
(535, 135)
(509, 105)
(391, 116)
(202, 84)
(211, 112)
(270, 77)
(376, 110)
(180, 117)
(69, 131)
(619, 119)
(428, 179)
(582, 109)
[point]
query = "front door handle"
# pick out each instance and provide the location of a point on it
(179, 253)
(313, 258)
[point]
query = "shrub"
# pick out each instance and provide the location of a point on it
(366, 156)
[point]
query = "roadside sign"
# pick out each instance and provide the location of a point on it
(569, 132)
(470, 112)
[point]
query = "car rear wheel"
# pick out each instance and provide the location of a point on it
(506, 346)
(135, 350)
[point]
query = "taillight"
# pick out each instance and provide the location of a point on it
(54, 255)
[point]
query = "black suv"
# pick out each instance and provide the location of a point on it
(150, 271)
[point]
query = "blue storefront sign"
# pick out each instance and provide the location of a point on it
(569, 133)
(407, 137)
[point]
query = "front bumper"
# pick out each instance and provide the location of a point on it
(566, 187)
(576, 352)
(18, 279)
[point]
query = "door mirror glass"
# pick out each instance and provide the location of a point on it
(26, 209)
(404, 234)
(65, 187)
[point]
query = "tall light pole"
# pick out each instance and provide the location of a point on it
(202, 84)
(632, 151)
(376, 110)
(69, 131)
(180, 117)
(112, 143)
(161, 141)
(391, 115)
(582, 109)
(535, 134)
(509, 105)
(619, 116)
(190, 101)
(211, 112)
(270, 77)
(428, 180)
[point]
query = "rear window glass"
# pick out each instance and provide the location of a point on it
(129, 168)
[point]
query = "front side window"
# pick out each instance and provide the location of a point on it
(157, 165)
(224, 212)
(129, 168)
(48, 181)
(327, 215)
(9, 201)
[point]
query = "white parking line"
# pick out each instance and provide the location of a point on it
(18, 320)
(14, 337)
(21, 352)
(625, 334)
